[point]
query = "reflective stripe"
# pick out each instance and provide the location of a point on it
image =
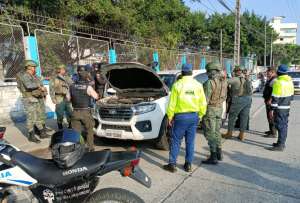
(274, 105)
(278, 96)
(283, 107)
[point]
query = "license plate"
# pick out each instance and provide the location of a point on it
(114, 133)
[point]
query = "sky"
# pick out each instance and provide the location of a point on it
(269, 8)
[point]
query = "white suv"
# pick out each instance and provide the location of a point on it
(138, 110)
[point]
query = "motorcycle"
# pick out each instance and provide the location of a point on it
(45, 182)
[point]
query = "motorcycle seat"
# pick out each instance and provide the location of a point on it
(45, 171)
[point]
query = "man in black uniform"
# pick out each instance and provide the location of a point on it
(267, 95)
(81, 93)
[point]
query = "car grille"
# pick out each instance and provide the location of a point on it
(116, 127)
(116, 114)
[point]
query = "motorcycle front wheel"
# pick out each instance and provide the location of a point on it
(113, 195)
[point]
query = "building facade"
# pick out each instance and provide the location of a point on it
(287, 31)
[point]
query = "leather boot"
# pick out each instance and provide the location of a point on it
(43, 134)
(242, 136)
(31, 137)
(60, 126)
(219, 154)
(228, 135)
(212, 159)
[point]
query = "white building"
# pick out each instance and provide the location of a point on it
(287, 31)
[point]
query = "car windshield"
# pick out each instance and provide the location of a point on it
(294, 74)
(168, 79)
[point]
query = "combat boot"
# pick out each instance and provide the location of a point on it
(60, 126)
(219, 154)
(228, 135)
(212, 159)
(241, 136)
(43, 134)
(31, 137)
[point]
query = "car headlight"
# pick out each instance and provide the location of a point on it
(144, 108)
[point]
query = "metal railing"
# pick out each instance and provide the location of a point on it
(56, 48)
(12, 52)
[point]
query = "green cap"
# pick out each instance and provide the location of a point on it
(237, 68)
(30, 63)
(61, 66)
(213, 66)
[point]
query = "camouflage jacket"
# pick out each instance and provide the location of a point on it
(29, 86)
(59, 88)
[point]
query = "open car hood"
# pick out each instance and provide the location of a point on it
(134, 80)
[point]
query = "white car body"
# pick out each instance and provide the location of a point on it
(127, 129)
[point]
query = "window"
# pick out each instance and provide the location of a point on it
(288, 30)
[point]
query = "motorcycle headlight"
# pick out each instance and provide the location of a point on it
(144, 108)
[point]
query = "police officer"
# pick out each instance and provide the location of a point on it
(32, 92)
(59, 90)
(215, 89)
(240, 89)
(81, 93)
(267, 95)
(282, 95)
(187, 104)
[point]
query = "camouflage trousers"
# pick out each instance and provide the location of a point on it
(212, 122)
(239, 106)
(33, 113)
(62, 109)
(42, 110)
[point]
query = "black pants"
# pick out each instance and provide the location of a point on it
(270, 120)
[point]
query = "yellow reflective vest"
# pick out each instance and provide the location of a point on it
(282, 93)
(187, 96)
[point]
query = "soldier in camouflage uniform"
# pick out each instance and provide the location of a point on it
(241, 91)
(59, 91)
(32, 92)
(215, 89)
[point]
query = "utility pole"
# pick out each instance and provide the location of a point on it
(236, 56)
(271, 52)
(265, 56)
(221, 48)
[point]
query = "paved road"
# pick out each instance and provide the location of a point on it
(249, 172)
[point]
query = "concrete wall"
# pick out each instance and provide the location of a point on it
(11, 107)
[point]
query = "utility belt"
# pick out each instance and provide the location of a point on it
(60, 94)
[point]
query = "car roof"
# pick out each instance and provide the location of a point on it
(177, 72)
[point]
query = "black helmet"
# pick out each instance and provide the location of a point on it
(67, 147)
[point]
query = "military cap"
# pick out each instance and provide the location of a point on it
(61, 66)
(213, 66)
(30, 63)
(237, 68)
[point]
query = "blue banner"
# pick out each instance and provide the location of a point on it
(112, 56)
(156, 59)
(203, 62)
(32, 53)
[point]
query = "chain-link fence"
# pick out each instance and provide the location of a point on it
(12, 51)
(55, 48)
